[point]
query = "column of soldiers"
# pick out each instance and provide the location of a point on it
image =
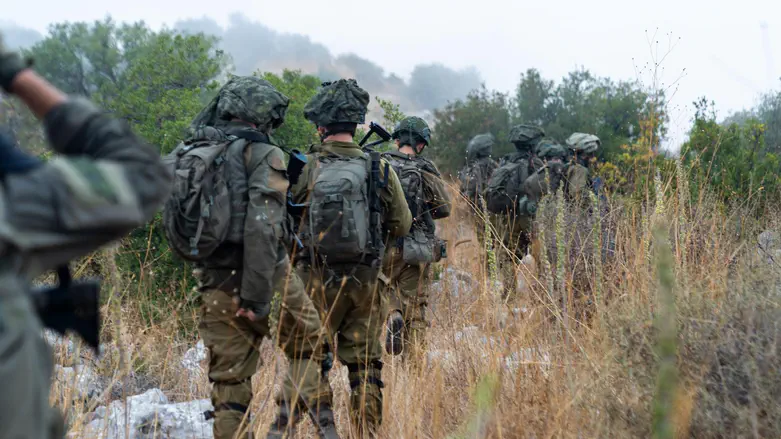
(315, 250)
(340, 238)
(515, 185)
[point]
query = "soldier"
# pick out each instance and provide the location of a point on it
(408, 260)
(583, 148)
(479, 167)
(505, 199)
(106, 182)
(352, 199)
(240, 275)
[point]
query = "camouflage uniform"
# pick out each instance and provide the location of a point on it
(583, 147)
(577, 229)
(249, 274)
(347, 295)
(428, 200)
(106, 182)
(515, 227)
(474, 177)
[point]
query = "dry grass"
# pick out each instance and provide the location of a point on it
(576, 354)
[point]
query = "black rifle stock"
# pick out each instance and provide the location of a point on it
(375, 206)
(71, 306)
(374, 128)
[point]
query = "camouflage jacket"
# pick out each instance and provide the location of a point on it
(427, 203)
(251, 268)
(397, 218)
(106, 182)
(475, 175)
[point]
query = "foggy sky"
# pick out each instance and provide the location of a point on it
(721, 45)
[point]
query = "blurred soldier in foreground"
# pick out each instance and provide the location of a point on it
(409, 259)
(105, 183)
(241, 250)
(353, 199)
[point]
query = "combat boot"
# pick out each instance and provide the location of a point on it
(282, 427)
(394, 338)
(323, 420)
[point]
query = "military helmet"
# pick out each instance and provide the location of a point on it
(550, 149)
(414, 127)
(525, 134)
(342, 101)
(583, 143)
(480, 146)
(248, 98)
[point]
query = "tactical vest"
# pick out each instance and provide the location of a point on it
(421, 245)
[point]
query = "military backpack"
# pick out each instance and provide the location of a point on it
(421, 245)
(338, 225)
(504, 187)
(474, 177)
(208, 203)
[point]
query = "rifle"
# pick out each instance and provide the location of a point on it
(375, 206)
(71, 306)
(375, 128)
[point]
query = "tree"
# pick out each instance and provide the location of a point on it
(154, 80)
(455, 125)
(732, 159)
(535, 100)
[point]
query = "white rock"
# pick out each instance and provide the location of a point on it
(194, 356)
(528, 356)
(86, 384)
(62, 346)
(455, 282)
(150, 415)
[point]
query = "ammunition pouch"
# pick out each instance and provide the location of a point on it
(419, 247)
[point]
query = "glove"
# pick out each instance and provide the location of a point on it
(260, 309)
(11, 63)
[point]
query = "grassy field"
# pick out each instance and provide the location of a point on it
(662, 325)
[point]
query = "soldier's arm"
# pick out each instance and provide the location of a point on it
(436, 194)
(264, 232)
(105, 183)
(398, 218)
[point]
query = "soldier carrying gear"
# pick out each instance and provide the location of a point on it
(479, 166)
(104, 183)
(230, 164)
(408, 262)
(353, 203)
(550, 176)
(504, 197)
(584, 148)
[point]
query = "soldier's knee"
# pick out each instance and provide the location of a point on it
(231, 403)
